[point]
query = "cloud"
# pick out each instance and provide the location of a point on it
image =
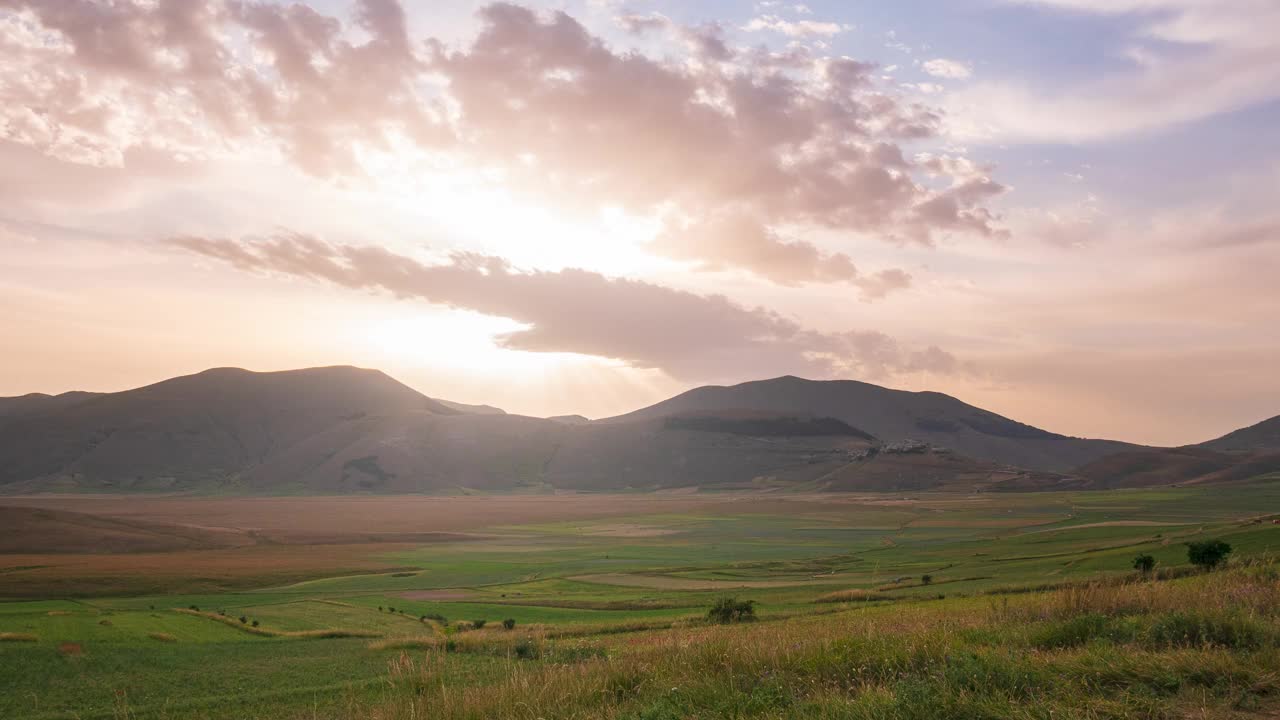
(740, 240)
(950, 69)
(89, 82)
(799, 140)
(688, 336)
(795, 29)
(1188, 60)
(535, 102)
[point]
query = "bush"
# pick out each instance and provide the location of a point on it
(527, 649)
(1208, 554)
(1144, 563)
(243, 620)
(731, 609)
(479, 623)
(926, 579)
(255, 623)
(509, 623)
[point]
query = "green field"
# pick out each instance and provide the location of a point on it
(330, 646)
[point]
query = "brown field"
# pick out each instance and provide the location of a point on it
(310, 519)
(78, 545)
(66, 575)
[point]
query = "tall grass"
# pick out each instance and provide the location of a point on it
(1159, 650)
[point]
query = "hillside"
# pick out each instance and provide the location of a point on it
(1262, 436)
(893, 415)
(190, 429)
(347, 430)
(12, 407)
(1177, 466)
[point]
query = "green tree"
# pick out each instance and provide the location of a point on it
(731, 609)
(1208, 554)
(926, 579)
(509, 623)
(1144, 563)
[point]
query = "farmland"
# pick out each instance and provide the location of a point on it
(327, 607)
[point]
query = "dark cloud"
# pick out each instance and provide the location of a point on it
(688, 336)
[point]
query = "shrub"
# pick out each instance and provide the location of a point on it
(1144, 563)
(243, 620)
(255, 623)
(479, 623)
(1208, 553)
(527, 649)
(509, 623)
(731, 609)
(926, 579)
(194, 607)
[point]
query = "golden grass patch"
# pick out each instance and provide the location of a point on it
(162, 637)
(851, 595)
(18, 637)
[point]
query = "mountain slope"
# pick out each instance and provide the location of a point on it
(895, 415)
(1177, 466)
(1263, 436)
(11, 407)
(207, 426)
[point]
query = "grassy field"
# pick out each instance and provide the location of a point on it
(354, 620)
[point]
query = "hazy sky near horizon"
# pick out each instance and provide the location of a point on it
(1065, 211)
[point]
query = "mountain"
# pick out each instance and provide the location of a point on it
(347, 430)
(466, 409)
(1261, 437)
(350, 430)
(198, 427)
(1189, 465)
(893, 415)
(11, 407)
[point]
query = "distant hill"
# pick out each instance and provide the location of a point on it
(1263, 436)
(11, 407)
(1177, 466)
(896, 415)
(350, 430)
(207, 426)
(471, 409)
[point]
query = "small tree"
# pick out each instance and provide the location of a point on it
(255, 623)
(1208, 554)
(926, 579)
(479, 623)
(1144, 563)
(243, 620)
(509, 623)
(731, 609)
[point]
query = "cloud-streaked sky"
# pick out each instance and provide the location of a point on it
(1065, 211)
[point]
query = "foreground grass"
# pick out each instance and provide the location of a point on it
(1204, 646)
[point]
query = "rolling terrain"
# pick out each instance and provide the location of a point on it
(344, 430)
(897, 415)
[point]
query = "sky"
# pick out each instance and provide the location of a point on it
(1064, 211)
